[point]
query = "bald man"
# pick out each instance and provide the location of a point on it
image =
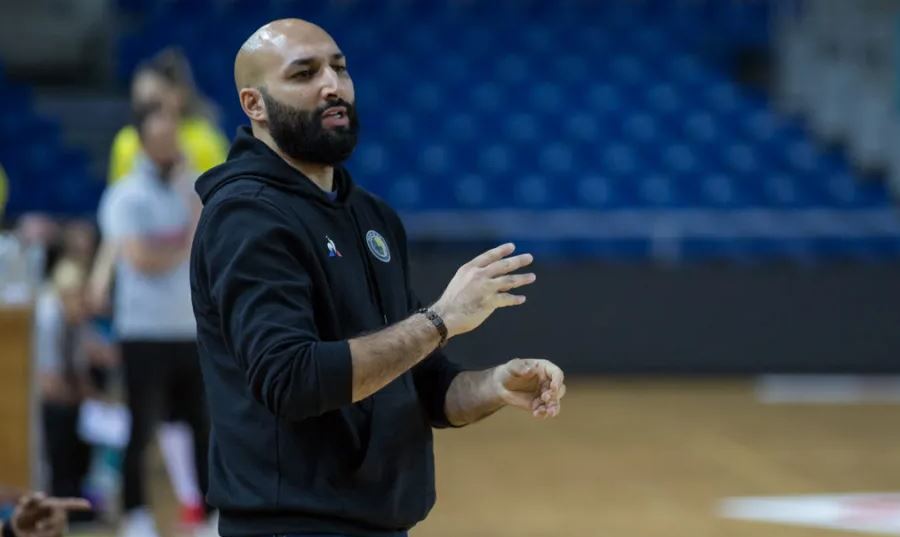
(323, 371)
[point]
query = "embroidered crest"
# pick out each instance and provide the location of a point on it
(378, 246)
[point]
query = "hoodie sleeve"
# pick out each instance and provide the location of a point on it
(432, 377)
(263, 295)
(434, 374)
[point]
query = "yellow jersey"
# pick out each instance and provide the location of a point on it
(204, 146)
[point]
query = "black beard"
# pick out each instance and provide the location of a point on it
(300, 135)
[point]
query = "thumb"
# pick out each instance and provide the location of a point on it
(520, 400)
(522, 368)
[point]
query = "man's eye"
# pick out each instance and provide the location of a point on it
(306, 73)
(340, 68)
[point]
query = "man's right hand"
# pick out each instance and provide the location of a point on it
(481, 286)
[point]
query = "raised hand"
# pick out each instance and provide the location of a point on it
(481, 286)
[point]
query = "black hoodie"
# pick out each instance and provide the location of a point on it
(281, 277)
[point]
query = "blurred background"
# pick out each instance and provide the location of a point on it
(709, 187)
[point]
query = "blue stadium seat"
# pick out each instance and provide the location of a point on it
(544, 105)
(495, 159)
(472, 191)
(534, 191)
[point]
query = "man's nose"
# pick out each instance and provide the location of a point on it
(330, 85)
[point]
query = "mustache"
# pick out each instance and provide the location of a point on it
(320, 111)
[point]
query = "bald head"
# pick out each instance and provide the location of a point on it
(294, 86)
(271, 46)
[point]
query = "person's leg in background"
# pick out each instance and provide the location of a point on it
(189, 403)
(176, 443)
(143, 368)
(68, 455)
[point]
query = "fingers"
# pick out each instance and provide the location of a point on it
(508, 264)
(29, 509)
(53, 521)
(513, 281)
(543, 400)
(68, 504)
(505, 300)
(520, 400)
(50, 528)
(557, 378)
(542, 410)
(552, 377)
(492, 255)
(521, 368)
(552, 388)
(30, 500)
(545, 409)
(34, 532)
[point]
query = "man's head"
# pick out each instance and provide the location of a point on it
(157, 127)
(293, 84)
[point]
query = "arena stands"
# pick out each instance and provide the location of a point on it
(624, 135)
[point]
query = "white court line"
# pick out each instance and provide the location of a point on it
(875, 513)
(828, 389)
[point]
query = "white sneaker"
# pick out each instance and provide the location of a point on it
(138, 523)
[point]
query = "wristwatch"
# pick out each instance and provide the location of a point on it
(438, 323)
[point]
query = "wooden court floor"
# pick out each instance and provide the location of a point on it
(636, 458)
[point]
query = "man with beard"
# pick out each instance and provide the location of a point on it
(323, 371)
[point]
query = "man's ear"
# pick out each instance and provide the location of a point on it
(253, 104)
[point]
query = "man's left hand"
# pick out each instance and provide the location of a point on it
(531, 384)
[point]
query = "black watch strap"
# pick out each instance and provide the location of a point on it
(438, 323)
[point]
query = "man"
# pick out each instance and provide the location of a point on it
(38, 516)
(323, 375)
(149, 218)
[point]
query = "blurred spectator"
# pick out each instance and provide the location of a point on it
(38, 233)
(64, 347)
(148, 219)
(166, 78)
(78, 246)
(79, 241)
(37, 229)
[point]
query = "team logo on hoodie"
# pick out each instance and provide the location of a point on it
(378, 246)
(332, 249)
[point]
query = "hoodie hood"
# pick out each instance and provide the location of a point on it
(249, 158)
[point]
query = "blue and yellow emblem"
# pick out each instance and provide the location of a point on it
(378, 246)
